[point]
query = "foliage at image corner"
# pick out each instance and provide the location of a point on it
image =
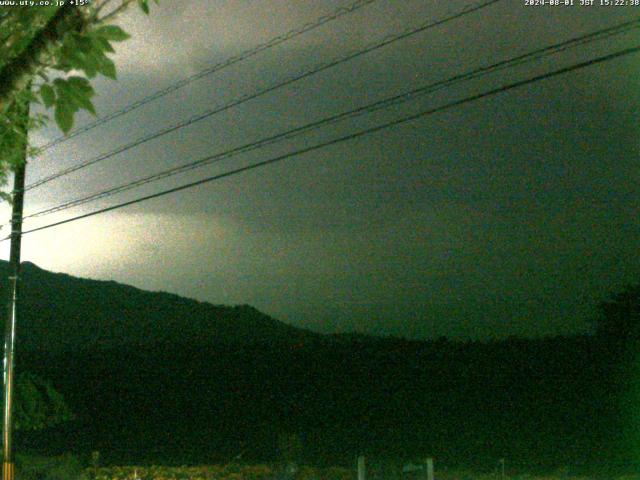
(61, 467)
(38, 405)
(51, 62)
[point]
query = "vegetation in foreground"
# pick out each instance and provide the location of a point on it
(268, 472)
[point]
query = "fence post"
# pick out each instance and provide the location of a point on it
(361, 468)
(429, 466)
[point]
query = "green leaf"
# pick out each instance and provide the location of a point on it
(107, 68)
(84, 44)
(48, 95)
(29, 96)
(80, 91)
(101, 44)
(90, 69)
(64, 117)
(77, 59)
(63, 66)
(60, 85)
(112, 33)
(144, 6)
(92, 63)
(82, 53)
(74, 93)
(81, 84)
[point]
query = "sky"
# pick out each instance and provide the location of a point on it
(515, 214)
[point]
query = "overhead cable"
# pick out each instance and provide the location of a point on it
(212, 69)
(424, 113)
(372, 107)
(245, 98)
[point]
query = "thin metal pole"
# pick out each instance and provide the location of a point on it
(429, 465)
(10, 326)
(361, 468)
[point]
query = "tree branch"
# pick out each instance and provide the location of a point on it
(115, 12)
(96, 8)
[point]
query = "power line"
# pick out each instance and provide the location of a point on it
(289, 80)
(351, 136)
(245, 98)
(212, 69)
(385, 103)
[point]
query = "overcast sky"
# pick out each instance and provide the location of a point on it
(512, 215)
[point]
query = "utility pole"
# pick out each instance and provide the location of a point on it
(14, 281)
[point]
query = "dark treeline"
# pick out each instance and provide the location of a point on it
(539, 404)
(550, 402)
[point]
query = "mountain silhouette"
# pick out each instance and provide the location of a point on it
(157, 378)
(63, 312)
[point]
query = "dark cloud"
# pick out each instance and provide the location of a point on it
(511, 215)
